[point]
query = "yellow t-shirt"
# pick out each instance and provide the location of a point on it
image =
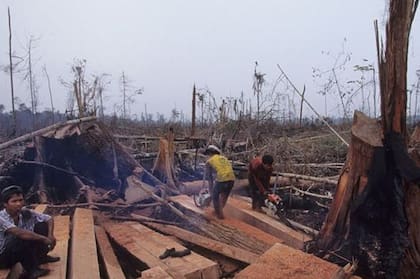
(223, 168)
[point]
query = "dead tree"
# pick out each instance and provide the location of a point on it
(11, 72)
(193, 111)
(372, 211)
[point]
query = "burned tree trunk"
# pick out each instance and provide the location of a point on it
(371, 211)
(365, 142)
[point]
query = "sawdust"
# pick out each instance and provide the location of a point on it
(281, 261)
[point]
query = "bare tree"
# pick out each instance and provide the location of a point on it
(50, 92)
(128, 94)
(30, 77)
(86, 92)
(257, 87)
(11, 73)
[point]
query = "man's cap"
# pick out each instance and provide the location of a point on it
(7, 192)
(213, 148)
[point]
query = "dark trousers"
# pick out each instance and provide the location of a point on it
(256, 196)
(27, 252)
(221, 189)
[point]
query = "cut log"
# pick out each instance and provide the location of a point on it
(191, 187)
(207, 243)
(147, 245)
(83, 257)
(111, 264)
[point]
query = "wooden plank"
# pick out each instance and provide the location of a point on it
(83, 257)
(282, 261)
(127, 237)
(40, 208)
(237, 208)
(210, 244)
(187, 202)
(193, 265)
(147, 245)
(155, 273)
(111, 264)
(62, 235)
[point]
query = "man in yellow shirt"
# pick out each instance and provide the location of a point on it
(224, 178)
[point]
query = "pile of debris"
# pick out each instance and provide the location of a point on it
(80, 164)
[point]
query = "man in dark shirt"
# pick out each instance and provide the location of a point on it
(259, 172)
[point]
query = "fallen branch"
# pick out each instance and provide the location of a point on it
(306, 177)
(44, 130)
(312, 194)
(312, 108)
(142, 219)
(84, 204)
(136, 206)
(163, 201)
(305, 229)
(297, 176)
(329, 165)
(56, 168)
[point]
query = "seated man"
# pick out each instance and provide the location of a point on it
(259, 173)
(25, 235)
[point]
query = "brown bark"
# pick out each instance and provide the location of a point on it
(370, 208)
(164, 164)
(194, 95)
(366, 137)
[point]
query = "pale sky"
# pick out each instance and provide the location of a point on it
(167, 46)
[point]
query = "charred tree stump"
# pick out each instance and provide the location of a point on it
(371, 210)
(366, 139)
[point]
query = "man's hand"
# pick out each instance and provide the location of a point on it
(49, 241)
(54, 242)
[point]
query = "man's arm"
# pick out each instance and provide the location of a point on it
(259, 184)
(28, 235)
(209, 175)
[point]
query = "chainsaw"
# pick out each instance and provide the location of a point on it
(203, 198)
(274, 208)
